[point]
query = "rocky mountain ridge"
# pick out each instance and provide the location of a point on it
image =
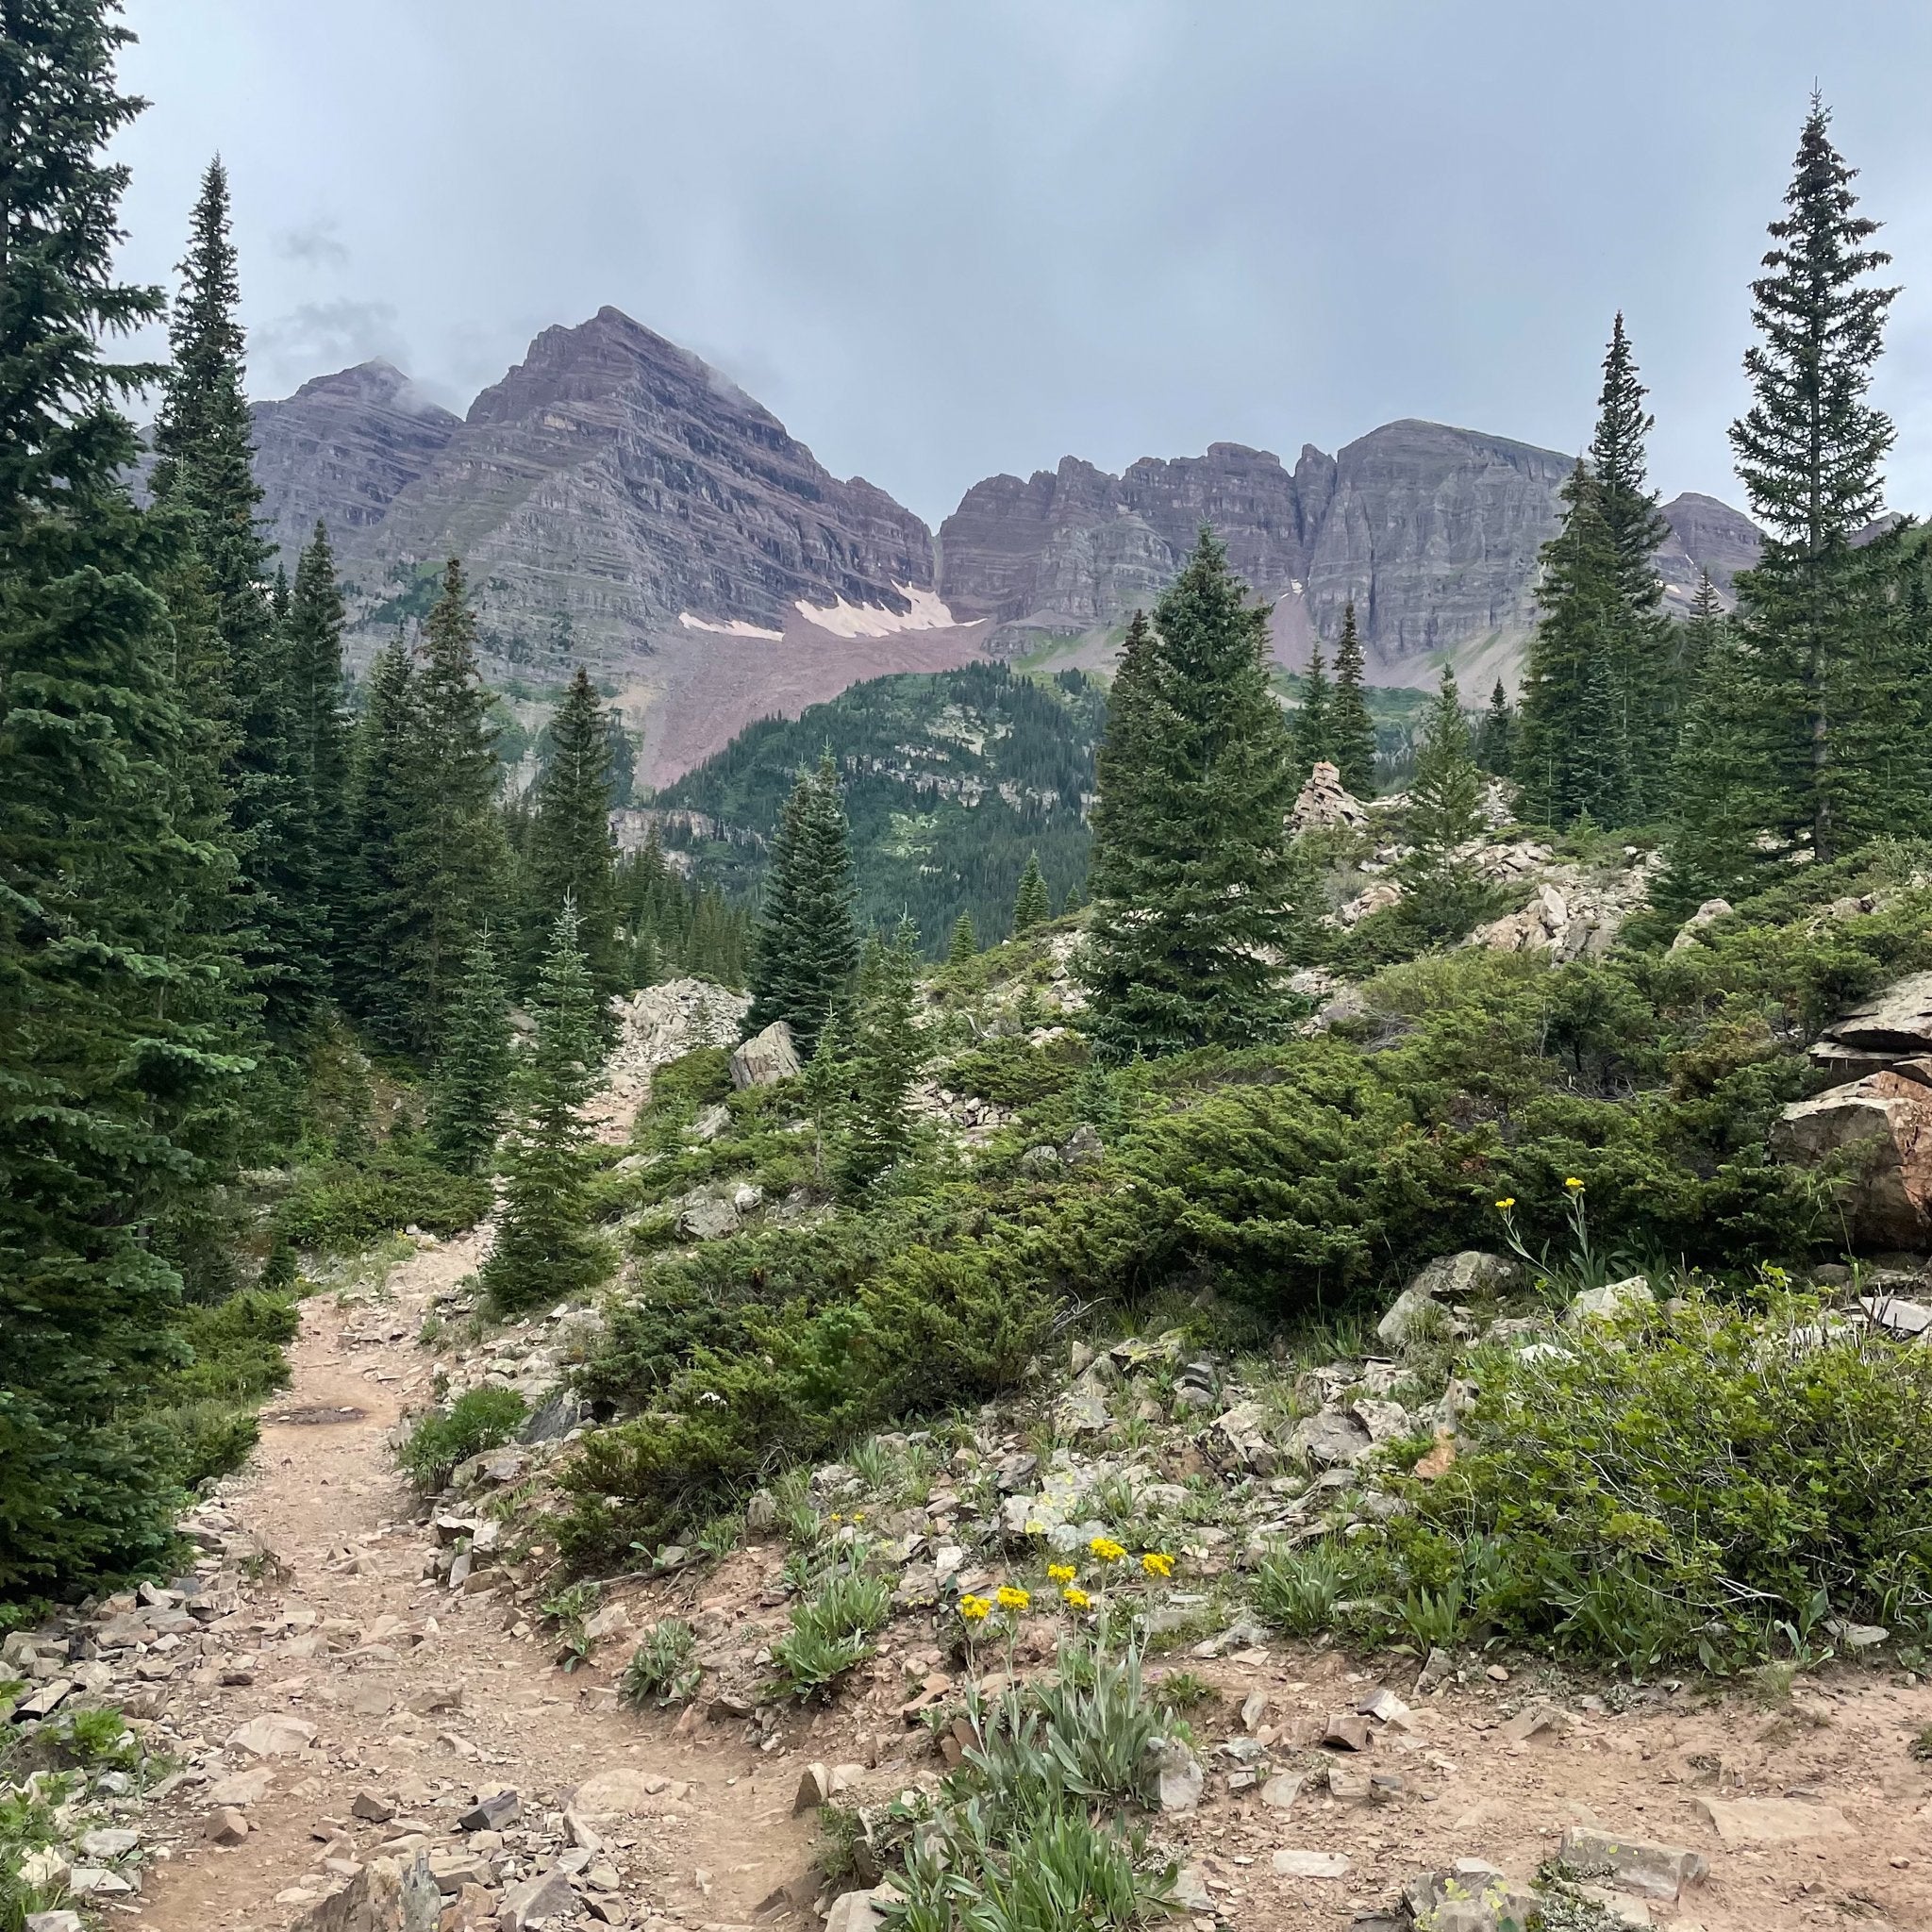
(619, 500)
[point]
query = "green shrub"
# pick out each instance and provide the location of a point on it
(661, 1670)
(477, 1420)
(831, 1632)
(680, 1091)
(1011, 1072)
(339, 1205)
(1713, 1483)
(28, 1824)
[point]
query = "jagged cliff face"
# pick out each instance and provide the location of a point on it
(1434, 532)
(611, 478)
(340, 449)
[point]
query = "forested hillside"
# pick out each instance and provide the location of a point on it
(951, 780)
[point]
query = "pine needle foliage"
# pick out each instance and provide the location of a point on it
(805, 954)
(546, 1247)
(472, 1074)
(1032, 907)
(1351, 730)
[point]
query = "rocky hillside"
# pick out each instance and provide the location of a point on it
(1433, 531)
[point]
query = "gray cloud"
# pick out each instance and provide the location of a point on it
(940, 241)
(315, 243)
(319, 335)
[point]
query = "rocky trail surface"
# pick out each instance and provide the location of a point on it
(372, 1727)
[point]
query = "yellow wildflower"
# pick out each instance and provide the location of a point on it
(1011, 1598)
(1157, 1563)
(1573, 1182)
(1106, 1549)
(1076, 1599)
(975, 1608)
(836, 1517)
(1036, 1528)
(1507, 1201)
(1060, 1572)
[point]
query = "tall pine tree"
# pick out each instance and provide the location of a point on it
(1193, 880)
(473, 1073)
(318, 738)
(805, 955)
(886, 1050)
(376, 920)
(545, 1246)
(1031, 904)
(108, 1036)
(204, 447)
(1496, 738)
(570, 853)
(1351, 730)
(1314, 736)
(454, 860)
(1814, 612)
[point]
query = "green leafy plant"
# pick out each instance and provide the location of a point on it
(661, 1670)
(831, 1631)
(1297, 1590)
(479, 1419)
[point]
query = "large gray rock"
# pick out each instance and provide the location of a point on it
(765, 1058)
(706, 1218)
(1635, 1864)
(548, 1895)
(1896, 1022)
(1329, 1439)
(387, 1895)
(1880, 1127)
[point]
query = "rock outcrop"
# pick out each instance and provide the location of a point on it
(1325, 801)
(1880, 1127)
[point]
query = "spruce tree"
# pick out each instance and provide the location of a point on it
(377, 923)
(1195, 882)
(1646, 697)
(318, 731)
(205, 446)
(1445, 801)
(886, 1054)
(805, 951)
(545, 1248)
(1314, 736)
(454, 859)
(1031, 905)
(1576, 629)
(964, 944)
(472, 1074)
(1697, 637)
(1814, 612)
(110, 1039)
(1351, 730)
(570, 852)
(1497, 738)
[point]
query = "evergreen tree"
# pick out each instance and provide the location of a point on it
(1497, 738)
(1075, 898)
(1031, 905)
(570, 855)
(545, 1248)
(317, 723)
(1314, 736)
(805, 951)
(454, 859)
(1351, 730)
(1814, 612)
(472, 1074)
(1576, 628)
(1445, 797)
(964, 944)
(109, 1039)
(887, 1052)
(1646, 699)
(205, 446)
(1193, 878)
(379, 923)
(1697, 637)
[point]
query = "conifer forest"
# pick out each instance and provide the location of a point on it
(1123, 1258)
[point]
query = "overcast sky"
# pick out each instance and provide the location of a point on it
(945, 238)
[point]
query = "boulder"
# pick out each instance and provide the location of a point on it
(706, 1218)
(1882, 1125)
(1634, 1864)
(1896, 1022)
(1082, 1147)
(1472, 1272)
(1239, 1440)
(1707, 915)
(1330, 1438)
(854, 1911)
(1772, 1821)
(275, 1735)
(1614, 1298)
(548, 1895)
(1180, 1777)
(385, 1896)
(765, 1058)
